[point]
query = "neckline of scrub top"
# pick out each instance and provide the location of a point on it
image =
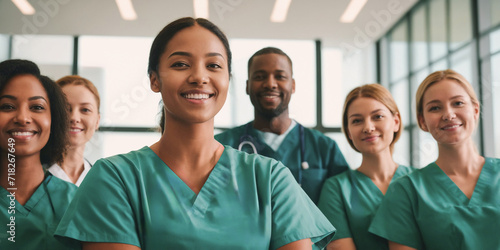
(32, 201)
(359, 174)
(217, 179)
(448, 184)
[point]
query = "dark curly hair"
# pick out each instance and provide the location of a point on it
(55, 148)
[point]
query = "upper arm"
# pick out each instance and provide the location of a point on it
(304, 244)
(107, 246)
(397, 246)
(332, 205)
(342, 244)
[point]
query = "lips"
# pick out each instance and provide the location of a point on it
(451, 126)
(196, 95)
(370, 138)
(22, 134)
(75, 129)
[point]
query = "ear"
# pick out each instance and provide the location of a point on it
(154, 80)
(97, 122)
(293, 85)
(421, 122)
(397, 121)
(476, 111)
(248, 88)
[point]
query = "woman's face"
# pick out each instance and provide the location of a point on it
(193, 76)
(24, 115)
(84, 114)
(448, 112)
(371, 126)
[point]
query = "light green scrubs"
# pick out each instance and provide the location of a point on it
(36, 221)
(247, 202)
(349, 200)
(321, 152)
(426, 210)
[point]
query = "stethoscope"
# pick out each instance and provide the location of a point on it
(247, 139)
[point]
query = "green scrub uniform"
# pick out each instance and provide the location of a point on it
(321, 153)
(426, 210)
(349, 200)
(247, 202)
(36, 221)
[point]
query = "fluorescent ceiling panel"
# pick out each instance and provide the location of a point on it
(280, 11)
(352, 11)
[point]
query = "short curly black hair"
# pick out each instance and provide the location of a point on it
(56, 146)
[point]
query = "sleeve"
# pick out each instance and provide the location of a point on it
(101, 210)
(294, 215)
(337, 163)
(395, 218)
(332, 204)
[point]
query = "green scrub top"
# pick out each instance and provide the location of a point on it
(321, 153)
(36, 221)
(426, 210)
(247, 202)
(349, 200)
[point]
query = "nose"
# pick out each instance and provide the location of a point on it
(270, 82)
(368, 127)
(449, 114)
(74, 116)
(198, 75)
(23, 116)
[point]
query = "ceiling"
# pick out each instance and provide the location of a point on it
(315, 19)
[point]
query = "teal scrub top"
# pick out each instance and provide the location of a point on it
(247, 202)
(36, 221)
(426, 210)
(349, 200)
(321, 153)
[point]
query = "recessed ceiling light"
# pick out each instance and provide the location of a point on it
(126, 9)
(352, 11)
(24, 6)
(200, 8)
(280, 11)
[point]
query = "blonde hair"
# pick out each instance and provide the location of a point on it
(378, 93)
(437, 77)
(78, 80)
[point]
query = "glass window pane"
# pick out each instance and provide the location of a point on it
(489, 10)
(399, 52)
(105, 144)
(437, 9)
(4, 47)
(52, 54)
(303, 102)
(461, 22)
(401, 153)
(425, 148)
(439, 65)
(495, 41)
(400, 92)
(118, 67)
(332, 93)
(461, 61)
(352, 157)
(419, 38)
(495, 65)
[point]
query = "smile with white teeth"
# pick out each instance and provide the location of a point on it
(22, 133)
(75, 130)
(451, 127)
(197, 96)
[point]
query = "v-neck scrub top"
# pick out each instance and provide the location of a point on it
(426, 210)
(349, 200)
(36, 221)
(321, 153)
(247, 202)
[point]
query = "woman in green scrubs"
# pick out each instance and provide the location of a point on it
(372, 124)
(452, 203)
(187, 191)
(33, 131)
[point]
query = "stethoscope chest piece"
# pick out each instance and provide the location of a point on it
(305, 165)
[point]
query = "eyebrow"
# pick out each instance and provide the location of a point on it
(29, 99)
(437, 101)
(183, 53)
(373, 112)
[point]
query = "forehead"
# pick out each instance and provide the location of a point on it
(195, 39)
(24, 85)
(444, 90)
(78, 92)
(365, 105)
(270, 62)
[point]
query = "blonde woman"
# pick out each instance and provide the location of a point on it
(452, 203)
(372, 125)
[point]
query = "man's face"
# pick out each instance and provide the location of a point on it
(270, 84)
